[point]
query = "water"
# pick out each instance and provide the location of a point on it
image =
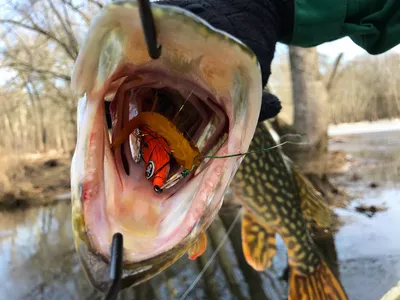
(38, 259)
(369, 248)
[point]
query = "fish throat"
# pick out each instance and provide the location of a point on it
(164, 127)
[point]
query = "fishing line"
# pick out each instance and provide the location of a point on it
(228, 232)
(177, 113)
(178, 176)
(198, 157)
(190, 94)
(155, 101)
(308, 142)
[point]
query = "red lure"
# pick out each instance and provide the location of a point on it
(156, 155)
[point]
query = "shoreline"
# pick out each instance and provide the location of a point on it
(52, 193)
(364, 127)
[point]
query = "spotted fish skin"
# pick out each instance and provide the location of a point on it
(267, 188)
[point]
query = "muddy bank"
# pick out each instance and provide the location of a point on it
(34, 182)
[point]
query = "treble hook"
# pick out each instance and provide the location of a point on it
(149, 29)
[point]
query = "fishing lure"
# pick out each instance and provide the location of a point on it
(182, 149)
(160, 140)
(156, 155)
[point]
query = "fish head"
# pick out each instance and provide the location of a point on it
(207, 83)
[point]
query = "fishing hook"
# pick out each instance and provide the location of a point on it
(115, 267)
(149, 29)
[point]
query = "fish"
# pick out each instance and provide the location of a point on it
(278, 199)
(208, 84)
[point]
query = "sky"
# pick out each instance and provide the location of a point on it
(348, 47)
(333, 49)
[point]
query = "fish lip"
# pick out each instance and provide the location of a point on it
(198, 193)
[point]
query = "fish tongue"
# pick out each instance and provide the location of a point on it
(140, 217)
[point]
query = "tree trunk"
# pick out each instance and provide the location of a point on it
(311, 116)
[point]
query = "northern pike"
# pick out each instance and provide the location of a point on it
(278, 199)
(208, 86)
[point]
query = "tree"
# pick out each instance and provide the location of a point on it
(38, 47)
(311, 115)
(366, 89)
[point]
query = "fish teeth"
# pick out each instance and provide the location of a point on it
(134, 142)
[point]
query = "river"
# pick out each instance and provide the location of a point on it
(369, 248)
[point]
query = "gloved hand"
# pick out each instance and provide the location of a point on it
(260, 24)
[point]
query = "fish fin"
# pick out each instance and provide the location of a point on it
(199, 247)
(312, 203)
(259, 245)
(320, 285)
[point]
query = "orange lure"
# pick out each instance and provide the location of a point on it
(156, 155)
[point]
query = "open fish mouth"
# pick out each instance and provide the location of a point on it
(202, 97)
(153, 222)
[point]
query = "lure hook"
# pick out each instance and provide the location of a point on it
(174, 179)
(149, 29)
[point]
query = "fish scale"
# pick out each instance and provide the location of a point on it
(270, 193)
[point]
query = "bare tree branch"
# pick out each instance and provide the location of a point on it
(333, 72)
(38, 45)
(71, 53)
(77, 10)
(68, 31)
(21, 66)
(96, 2)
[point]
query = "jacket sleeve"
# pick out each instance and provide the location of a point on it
(372, 24)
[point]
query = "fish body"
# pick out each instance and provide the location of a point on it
(274, 196)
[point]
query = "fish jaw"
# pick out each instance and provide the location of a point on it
(196, 58)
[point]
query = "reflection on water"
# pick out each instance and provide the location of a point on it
(369, 248)
(37, 255)
(38, 259)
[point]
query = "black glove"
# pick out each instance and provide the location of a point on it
(260, 24)
(270, 107)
